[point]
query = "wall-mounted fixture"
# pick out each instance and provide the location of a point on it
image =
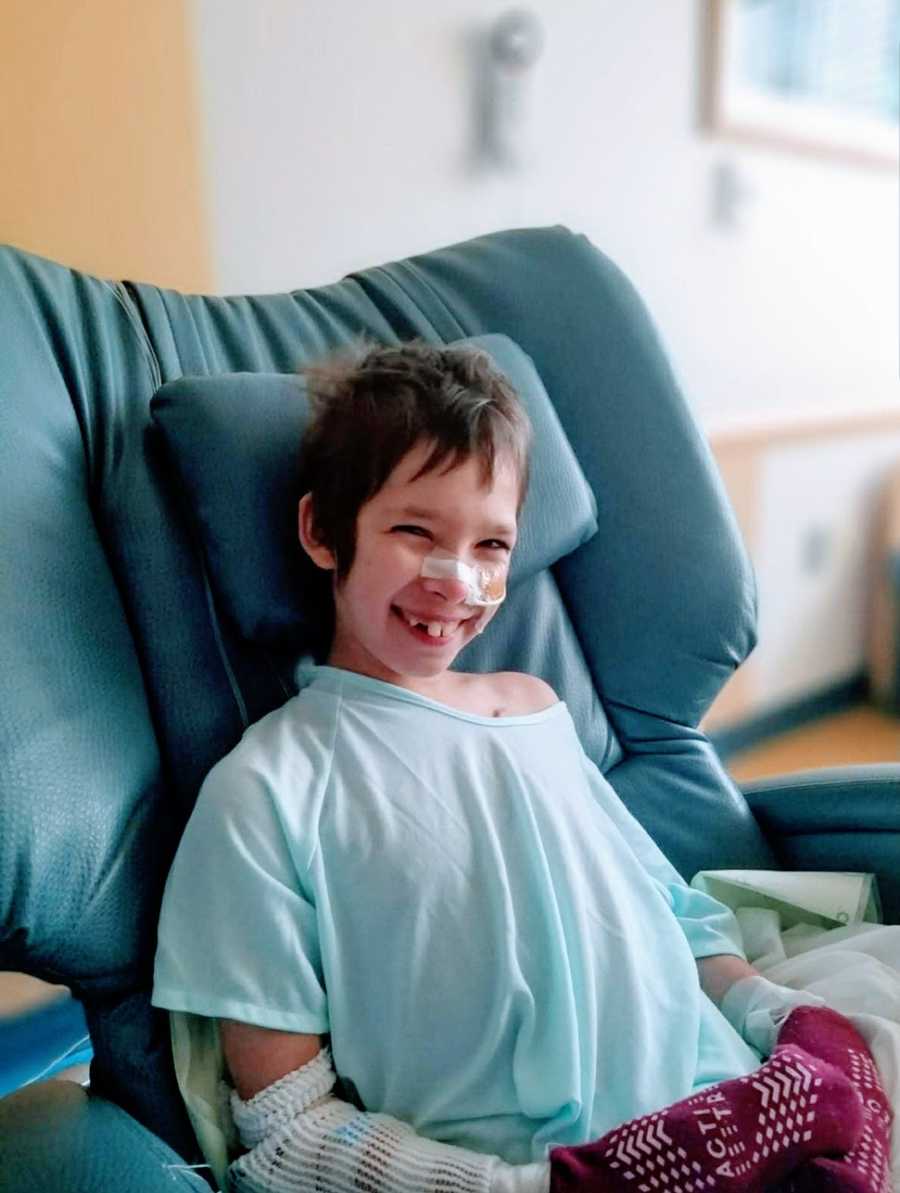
(730, 193)
(507, 54)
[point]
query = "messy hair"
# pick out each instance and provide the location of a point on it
(371, 404)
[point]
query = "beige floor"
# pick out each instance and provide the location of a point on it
(858, 735)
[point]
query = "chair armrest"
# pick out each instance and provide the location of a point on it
(829, 799)
(835, 818)
(57, 1138)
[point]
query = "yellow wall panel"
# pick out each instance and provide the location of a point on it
(100, 141)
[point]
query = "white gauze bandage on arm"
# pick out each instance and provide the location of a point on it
(757, 1009)
(302, 1139)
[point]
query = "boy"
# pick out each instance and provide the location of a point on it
(422, 865)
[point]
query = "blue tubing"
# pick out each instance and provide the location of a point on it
(42, 1042)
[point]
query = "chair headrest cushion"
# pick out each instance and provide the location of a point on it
(233, 443)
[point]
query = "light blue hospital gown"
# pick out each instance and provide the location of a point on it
(501, 954)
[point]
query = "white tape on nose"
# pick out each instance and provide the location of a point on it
(484, 586)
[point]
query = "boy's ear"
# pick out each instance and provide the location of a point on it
(321, 556)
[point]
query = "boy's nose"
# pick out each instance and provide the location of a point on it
(450, 588)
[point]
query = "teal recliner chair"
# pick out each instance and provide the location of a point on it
(129, 668)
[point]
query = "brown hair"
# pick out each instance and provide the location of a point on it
(372, 404)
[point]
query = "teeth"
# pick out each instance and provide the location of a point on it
(433, 629)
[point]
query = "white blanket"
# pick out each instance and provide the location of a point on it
(856, 970)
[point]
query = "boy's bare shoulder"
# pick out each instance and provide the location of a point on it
(529, 692)
(508, 694)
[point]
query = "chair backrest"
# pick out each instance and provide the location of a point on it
(121, 674)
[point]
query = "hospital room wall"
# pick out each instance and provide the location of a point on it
(337, 135)
(99, 128)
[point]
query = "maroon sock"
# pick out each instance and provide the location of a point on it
(741, 1135)
(866, 1166)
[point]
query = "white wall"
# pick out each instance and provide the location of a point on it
(339, 135)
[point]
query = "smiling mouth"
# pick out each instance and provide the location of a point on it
(436, 631)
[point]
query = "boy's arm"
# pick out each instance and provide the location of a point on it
(300, 1138)
(258, 1056)
(719, 973)
(755, 1007)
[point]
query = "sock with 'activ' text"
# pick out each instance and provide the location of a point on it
(739, 1136)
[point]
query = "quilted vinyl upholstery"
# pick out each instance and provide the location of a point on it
(124, 685)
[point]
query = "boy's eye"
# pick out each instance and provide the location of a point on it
(420, 530)
(490, 544)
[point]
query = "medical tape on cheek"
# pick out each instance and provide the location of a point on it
(486, 586)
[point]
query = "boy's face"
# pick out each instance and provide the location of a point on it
(402, 524)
